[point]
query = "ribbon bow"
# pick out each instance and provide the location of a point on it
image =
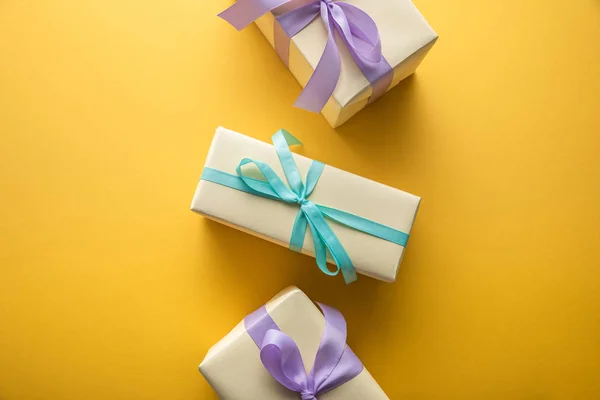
(310, 215)
(335, 364)
(356, 28)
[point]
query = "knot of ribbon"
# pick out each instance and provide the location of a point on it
(334, 365)
(310, 216)
(356, 28)
(307, 395)
(301, 201)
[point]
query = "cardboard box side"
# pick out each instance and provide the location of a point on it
(339, 189)
(239, 329)
(401, 72)
(336, 187)
(394, 18)
(233, 367)
(299, 67)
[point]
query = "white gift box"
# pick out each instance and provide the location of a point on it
(405, 35)
(234, 369)
(273, 220)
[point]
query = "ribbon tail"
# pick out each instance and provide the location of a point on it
(244, 12)
(287, 137)
(298, 232)
(365, 225)
(321, 252)
(324, 79)
(325, 238)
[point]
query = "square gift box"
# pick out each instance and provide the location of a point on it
(234, 366)
(373, 246)
(402, 39)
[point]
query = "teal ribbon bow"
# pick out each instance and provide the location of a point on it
(310, 215)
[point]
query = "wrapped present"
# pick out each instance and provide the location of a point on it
(288, 350)
(351, 222)
(345, 54)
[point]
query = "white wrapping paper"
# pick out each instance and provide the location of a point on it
(233, 367)
(273, 220)
(405, 38)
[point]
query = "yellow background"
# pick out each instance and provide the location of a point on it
(110, 288)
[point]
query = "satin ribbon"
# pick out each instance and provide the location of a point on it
(310, 215)
(356, 28)
(335, 364)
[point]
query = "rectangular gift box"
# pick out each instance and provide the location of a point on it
(274, 220)
(405, 40)
(233, 366)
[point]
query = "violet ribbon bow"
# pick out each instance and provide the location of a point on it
(356, 28)
(335, 364)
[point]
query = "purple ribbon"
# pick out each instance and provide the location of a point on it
(356, 28)
(335, 364)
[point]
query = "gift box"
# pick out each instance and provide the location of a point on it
(345, 54)
(351, 222)
(289, 350)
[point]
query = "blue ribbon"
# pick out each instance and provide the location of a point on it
(310, 215)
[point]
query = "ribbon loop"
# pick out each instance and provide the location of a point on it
(356, 28)
(281, 357)
(364, 36)
(278, 189)
(335, 364)
(324, 236)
